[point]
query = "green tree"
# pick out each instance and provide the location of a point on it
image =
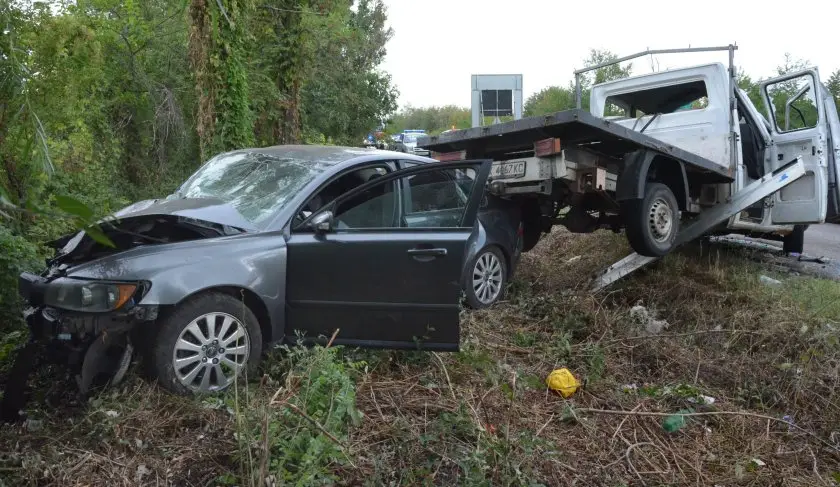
(217, 43)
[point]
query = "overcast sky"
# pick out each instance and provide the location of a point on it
(438, 44)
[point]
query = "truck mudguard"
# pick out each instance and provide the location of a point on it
(634, 175)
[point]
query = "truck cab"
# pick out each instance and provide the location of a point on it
(690, 109)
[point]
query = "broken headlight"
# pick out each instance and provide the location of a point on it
(90, 296)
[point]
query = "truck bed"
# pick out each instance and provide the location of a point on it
(575, 128)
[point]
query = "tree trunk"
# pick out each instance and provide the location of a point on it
(200, 45)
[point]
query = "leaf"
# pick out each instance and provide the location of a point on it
(98, 235)
(71, 205)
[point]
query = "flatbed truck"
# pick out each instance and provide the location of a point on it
(667, 158)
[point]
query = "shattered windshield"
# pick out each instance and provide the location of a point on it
(257, 185)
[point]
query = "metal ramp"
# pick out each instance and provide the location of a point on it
(751, 194)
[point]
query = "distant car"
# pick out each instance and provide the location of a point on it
(287, 243)
(408, 144)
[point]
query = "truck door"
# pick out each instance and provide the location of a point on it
(833, 152)
(798, 128)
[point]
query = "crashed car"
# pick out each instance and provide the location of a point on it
(279, 244)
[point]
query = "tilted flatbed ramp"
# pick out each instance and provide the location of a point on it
(574, 128)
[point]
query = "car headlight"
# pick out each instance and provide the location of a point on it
(90, 296)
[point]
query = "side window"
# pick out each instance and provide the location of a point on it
(793, 103)
(437, 199)
(339, 186)
(373, 208)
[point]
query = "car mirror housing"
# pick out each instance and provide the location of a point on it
(322, 222)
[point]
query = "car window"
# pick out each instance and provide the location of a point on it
(341, 185)
(375, 207)
(437, 199)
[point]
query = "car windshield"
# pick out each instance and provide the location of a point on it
(411, 138)
(257, 185)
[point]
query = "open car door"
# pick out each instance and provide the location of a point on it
(797, 118)
(372, 266)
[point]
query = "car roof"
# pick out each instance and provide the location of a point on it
(333, 155)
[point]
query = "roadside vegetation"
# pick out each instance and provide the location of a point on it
(104, 102)
(768, 356)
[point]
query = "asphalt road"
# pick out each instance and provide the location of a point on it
(821, 256)
(823, 241)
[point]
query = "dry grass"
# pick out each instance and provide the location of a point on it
(484, 417)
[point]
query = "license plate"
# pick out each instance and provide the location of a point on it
(506, 170)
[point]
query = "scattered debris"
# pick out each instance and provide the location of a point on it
(675, 421)
(647, 321)
(562, 381)
(769, 281)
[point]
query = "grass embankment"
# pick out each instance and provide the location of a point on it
(484, 416)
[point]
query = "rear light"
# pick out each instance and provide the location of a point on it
(450, 156)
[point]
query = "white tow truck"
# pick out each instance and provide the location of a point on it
(668, 157)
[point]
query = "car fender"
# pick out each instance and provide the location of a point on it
(256, 262)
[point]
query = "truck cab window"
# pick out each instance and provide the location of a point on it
(662, 100)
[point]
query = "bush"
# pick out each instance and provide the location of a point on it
(16, 255)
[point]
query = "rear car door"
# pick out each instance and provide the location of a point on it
(798, 129)
(377, 270)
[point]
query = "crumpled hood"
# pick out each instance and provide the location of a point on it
(211, 210)
(154, 222)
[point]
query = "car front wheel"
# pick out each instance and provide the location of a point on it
(486, 278)
(206, 343)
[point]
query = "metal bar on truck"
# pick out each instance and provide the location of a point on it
(578, 96)
(751, 194)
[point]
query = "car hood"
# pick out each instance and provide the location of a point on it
(152, 222)
(212, 210)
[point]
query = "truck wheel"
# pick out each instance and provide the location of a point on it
(486, 278)
(794, 243)
(653, 222)
(206, 343)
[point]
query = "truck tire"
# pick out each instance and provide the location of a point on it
(652, 223)
(794, 242)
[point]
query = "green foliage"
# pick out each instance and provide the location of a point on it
(320, 390)
(556, 98)
(431, 119)
(16, 255)
(549, 100)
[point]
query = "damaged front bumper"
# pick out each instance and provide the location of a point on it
(96, 347)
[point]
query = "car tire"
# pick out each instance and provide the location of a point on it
(794, 242)
(201, 350)
(652, 223)
(486, 278)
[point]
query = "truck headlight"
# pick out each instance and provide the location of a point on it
(90, 296)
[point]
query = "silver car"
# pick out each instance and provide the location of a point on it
(288, 243)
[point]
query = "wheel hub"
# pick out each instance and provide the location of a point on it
(660, 220)
(487, 278)
(210, 352)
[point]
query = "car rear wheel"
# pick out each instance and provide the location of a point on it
(486, 278)
(652, 223)
(206, 344)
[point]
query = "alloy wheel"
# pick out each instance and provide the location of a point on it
(210, 352)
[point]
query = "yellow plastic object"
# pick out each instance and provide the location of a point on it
(562, 381)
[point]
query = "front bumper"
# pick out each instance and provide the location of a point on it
(46, 323)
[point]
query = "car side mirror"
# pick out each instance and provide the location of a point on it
(322, 222)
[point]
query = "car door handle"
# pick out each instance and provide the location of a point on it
(422, 252)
